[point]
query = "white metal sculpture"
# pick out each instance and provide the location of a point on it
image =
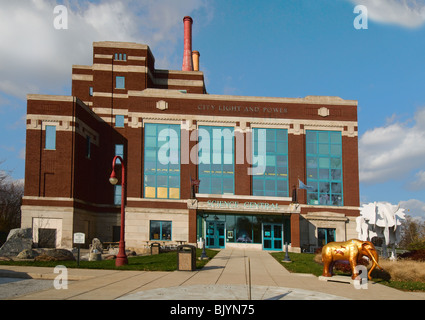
(382, 220)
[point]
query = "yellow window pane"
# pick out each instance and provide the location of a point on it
(149, 192)
(162, 193)
(174, 193)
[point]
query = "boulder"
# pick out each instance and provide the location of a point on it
(56, 255)
(17, 241)
(27, 254)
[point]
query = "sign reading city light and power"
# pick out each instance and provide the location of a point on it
(218, 204)
(251, 109)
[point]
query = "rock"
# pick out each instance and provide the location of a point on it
(27, 254)
(110, 257)
(17, 241)
(56, 255)
(96, 246)
(94, 256)
(5, 259)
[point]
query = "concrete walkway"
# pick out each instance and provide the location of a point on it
(226, 277)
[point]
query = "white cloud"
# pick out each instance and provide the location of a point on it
(414, 208)
(37, 58)
(405, 13)
(419, 183)
(392, 151)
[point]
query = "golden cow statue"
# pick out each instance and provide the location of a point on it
(352, 251)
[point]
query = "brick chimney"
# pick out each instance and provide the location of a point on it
(187, 54)
(195, 59)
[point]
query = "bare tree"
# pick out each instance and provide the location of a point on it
(412, 234)
(11, 193)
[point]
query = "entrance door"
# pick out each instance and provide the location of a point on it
(272, 236)
(215, 234)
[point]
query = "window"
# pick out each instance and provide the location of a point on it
(270, 149)
(162, 161)
(119, 151)
(160, 230)
(325, 235)
(50, 138)
(324, 168)
(119, 82)
(91, 91)
(119, 121)
(216, 153)
(120, 56)
(117, 195)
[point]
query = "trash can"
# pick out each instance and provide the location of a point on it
(155, 248)
(186, 258)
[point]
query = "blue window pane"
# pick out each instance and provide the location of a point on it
(120, 82)
(119, 121)
(117, 195)
(50, 137)
(270, 148)
(119, 151)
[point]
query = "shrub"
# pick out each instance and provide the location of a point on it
(401, 270)
(415, 255)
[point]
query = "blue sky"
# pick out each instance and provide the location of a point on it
(286, 48)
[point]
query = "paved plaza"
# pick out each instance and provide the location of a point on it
(233, 274)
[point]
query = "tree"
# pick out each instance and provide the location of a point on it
(412, 234)
(11, 193)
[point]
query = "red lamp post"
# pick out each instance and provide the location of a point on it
(121, 257)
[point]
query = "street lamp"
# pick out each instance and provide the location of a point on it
(121, 257)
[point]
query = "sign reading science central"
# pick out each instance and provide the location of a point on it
(214, 204)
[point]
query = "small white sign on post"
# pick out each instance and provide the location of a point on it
(79, 238)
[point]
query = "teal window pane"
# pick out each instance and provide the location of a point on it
(324, 168)
(162, 161)
(119, 121)
(117, 195)
(216, 160)
(119, 82)
(50, 143)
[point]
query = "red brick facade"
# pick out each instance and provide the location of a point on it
(69, 177)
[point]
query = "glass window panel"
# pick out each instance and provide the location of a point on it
(117, 195)
(324, 163)
(311, 162)
(311, 137)
(336, 163)
(324, 174)
(324, 199)
(324, 187)
(50, 138)
(323, 137)
(119, 121)
(311, 148)
(336, 149)
(150, 130)
(335, 137)
(120, 83)
(312, 173)
(155, 230)
(336, 174)
(323, 149)
(336, 187)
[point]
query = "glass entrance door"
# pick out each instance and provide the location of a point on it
(272, 236)
(215, 234)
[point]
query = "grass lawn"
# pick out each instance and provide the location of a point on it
(162, 262)
(304, 263)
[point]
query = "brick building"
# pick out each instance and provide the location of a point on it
(250, 155)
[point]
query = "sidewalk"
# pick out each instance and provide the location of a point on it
(226, 277)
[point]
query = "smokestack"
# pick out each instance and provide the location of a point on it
(195, 59)
(187, 54)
